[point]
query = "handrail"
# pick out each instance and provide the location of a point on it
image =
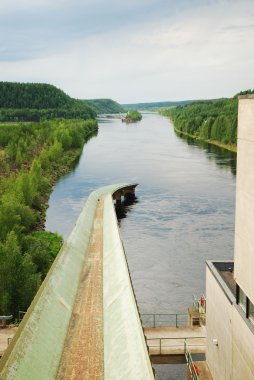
(183, 344)
(5, 317)
(21, 315)
(157, 321)
(191, 366)
(200, 306)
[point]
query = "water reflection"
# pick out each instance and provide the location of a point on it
(75, 162)
(124, 208)
(222, 157)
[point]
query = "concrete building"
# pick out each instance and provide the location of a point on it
(230, 285)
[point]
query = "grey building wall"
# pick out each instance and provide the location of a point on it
(244, 227)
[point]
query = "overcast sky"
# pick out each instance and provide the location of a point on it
(130, 51)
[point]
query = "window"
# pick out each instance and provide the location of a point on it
(245, 303)
(251, 312)
(242, 300)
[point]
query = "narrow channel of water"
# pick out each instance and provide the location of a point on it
(184, 214)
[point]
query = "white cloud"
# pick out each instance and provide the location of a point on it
(203, 52)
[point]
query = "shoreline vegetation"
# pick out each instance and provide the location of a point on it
(33, 156)
(132, 117)
(231, 148)
(213, 121)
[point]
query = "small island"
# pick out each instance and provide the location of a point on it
(132, 117)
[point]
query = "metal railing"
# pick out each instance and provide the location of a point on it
(21, 315)
(191, 366)
(164, 346)
(4, 319)
(200, 306)
(199, 303)
(163, 320)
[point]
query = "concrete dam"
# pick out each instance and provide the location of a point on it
(84, 322)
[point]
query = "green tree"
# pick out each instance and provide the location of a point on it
(14, 216)
(18, 278)
(25, 187)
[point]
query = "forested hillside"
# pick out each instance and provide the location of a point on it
(154, 106)
(100, 106)
(38, 101)
(214, 121)
(32, 157)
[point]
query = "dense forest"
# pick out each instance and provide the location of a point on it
(38, 101)
(102, 106)
(214, 121)
(32, 157)
(154, 106)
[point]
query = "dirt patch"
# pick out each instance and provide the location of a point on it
(5, 334)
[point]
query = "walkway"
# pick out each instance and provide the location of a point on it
(85, 335)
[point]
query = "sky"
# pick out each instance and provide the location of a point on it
(130, 51)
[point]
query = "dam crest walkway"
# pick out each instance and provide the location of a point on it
(84, 322)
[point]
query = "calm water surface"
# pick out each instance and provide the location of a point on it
(184, 214)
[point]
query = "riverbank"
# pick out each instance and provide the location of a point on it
(231, 148)
(34, 156)
(214, 122)
(59, 169)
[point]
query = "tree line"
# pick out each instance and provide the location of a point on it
(32, 157)
(214, 120)
(39, 101)
(154, 106)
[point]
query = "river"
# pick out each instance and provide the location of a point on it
(184, 214)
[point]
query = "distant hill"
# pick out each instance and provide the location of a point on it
(154, 105)
(37, 101)
(104, 106)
